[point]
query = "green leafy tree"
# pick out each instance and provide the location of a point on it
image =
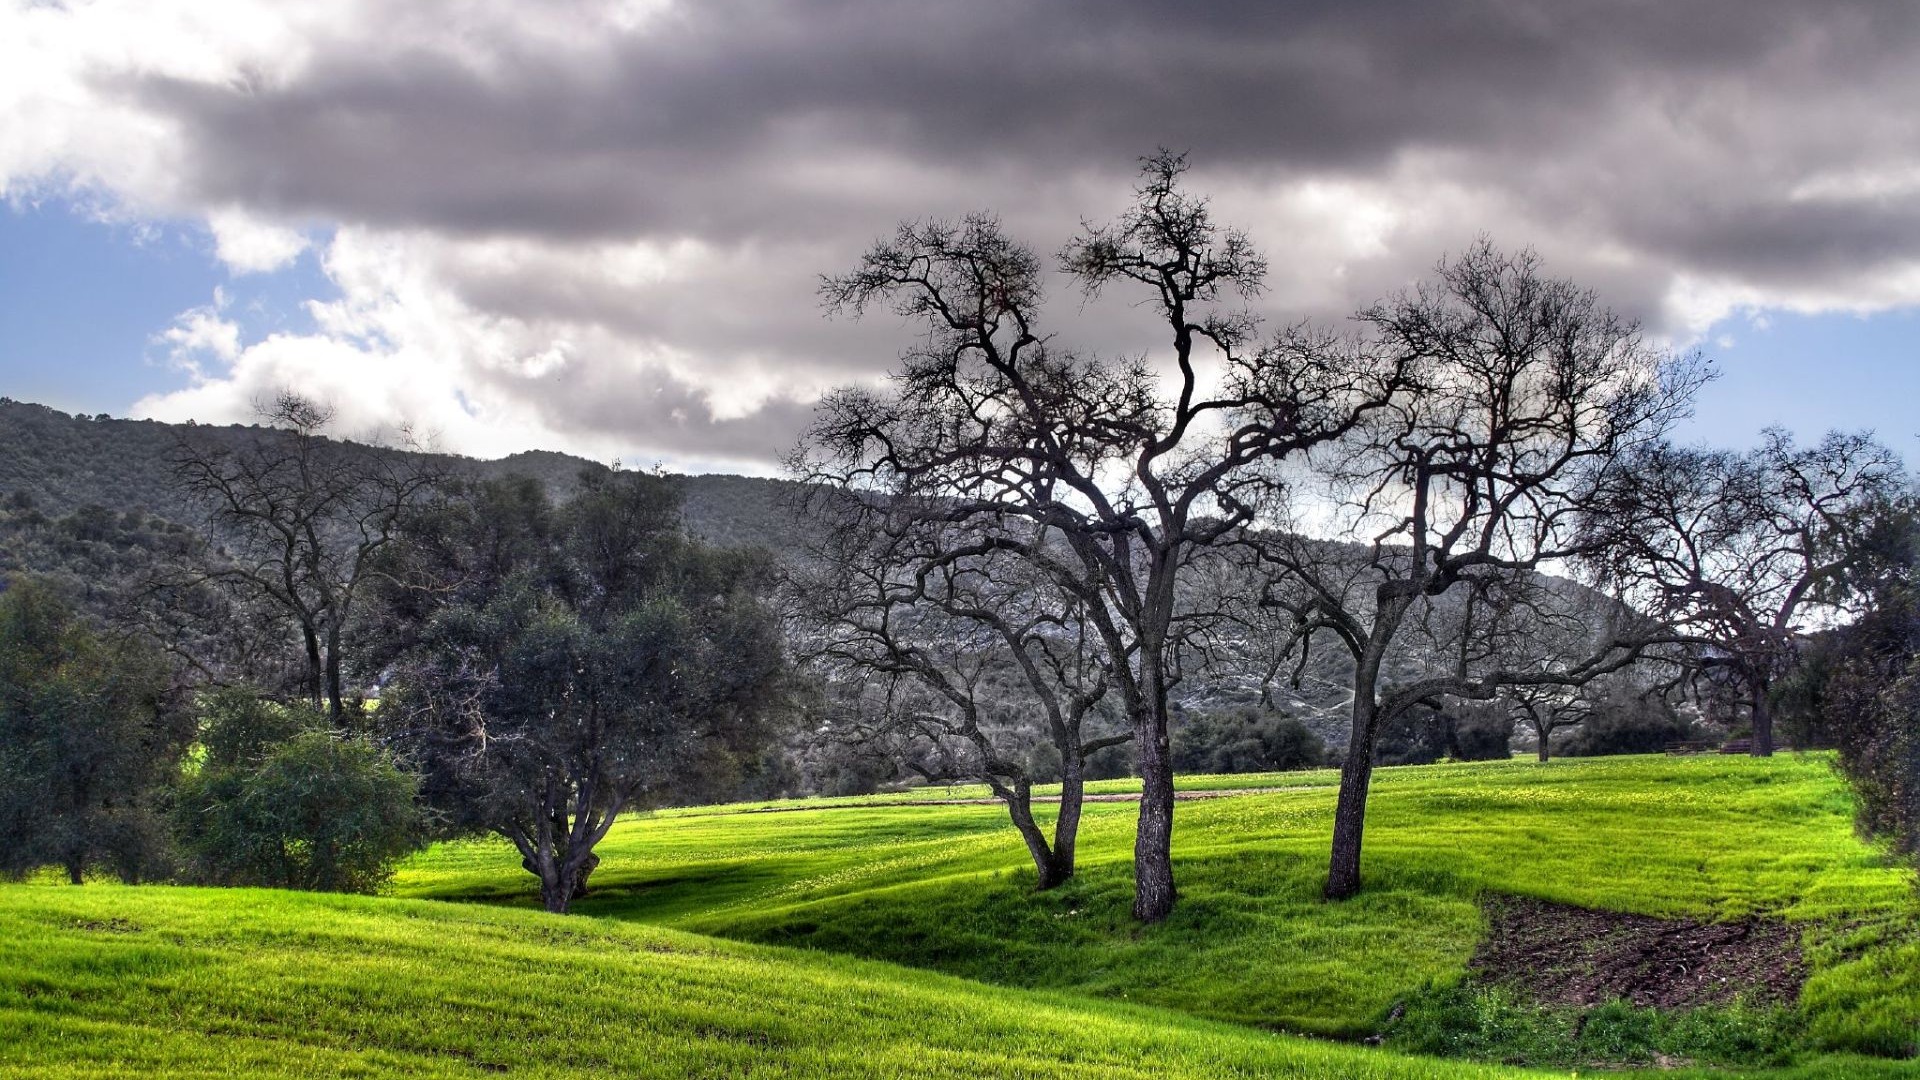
(283, 800)
(90, 735)
(557, 666)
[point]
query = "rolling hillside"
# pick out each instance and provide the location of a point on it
(946, 886)
(109, 980)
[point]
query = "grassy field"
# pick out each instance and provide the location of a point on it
(109, 981)
(946, 887)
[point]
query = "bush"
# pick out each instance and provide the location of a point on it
(1245, 741)
(1867, 697)
(1480, 731)
(1417, 736)
(282, 801)
(1489, 1023)
(1627, 725)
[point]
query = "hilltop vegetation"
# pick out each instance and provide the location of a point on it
(93, 502)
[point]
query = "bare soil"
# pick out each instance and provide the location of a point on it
(1562, 955)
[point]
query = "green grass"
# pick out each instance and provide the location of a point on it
(160, 982)
(110, 981)
(946, 887)
(185, 981)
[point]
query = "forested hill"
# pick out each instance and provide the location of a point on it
(53, 466)
(63, 463)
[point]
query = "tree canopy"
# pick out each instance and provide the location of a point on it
(559, 665)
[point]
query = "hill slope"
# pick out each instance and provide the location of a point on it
(64, 463)
(111, 981)
(1251, 941)
(157, 981)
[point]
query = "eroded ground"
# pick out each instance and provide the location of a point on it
(1560, 955)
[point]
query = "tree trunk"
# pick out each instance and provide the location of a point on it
(1540, 736)
(1762, 724)
(1066, 828)
(334, 707)
(75, 872)
(556, 892)
(1356, 775)
(587, 866)
(316, 681)
(1153, 890)
(1020, 807)
(563, 879)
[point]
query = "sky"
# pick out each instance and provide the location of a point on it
(598, 225)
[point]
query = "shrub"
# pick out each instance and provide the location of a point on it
(1480, 731)
(1627, 725)
(1417, 736)
(1244, 741)
(281, 800)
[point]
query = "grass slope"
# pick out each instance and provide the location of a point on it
(945, 887)
(111, 981)
(108, 981)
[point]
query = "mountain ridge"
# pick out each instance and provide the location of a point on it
(61, 463)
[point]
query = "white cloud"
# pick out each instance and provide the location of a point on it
(201, 334)
(401, 348)
(248, 245)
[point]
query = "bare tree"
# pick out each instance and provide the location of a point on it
(1746, 553)
(1525, 395)
(1581, 623)
(1103, 478)
(964, 668)
(1547, 709)
(301, 520)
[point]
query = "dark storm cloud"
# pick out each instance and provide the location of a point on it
(1676, 138)
(688, 126)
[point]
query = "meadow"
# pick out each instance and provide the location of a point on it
(865, 937)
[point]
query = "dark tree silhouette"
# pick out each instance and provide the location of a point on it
(91, 732)
(301, 521)
(1746, 553)
(1523, 395)
(967, 669)
(1107, 479)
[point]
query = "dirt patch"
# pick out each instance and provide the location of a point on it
(107, 926)
(1561, 955)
